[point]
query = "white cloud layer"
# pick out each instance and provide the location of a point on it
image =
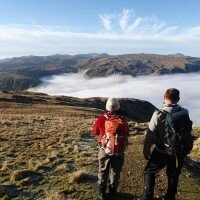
(150, 88)
(122, 33)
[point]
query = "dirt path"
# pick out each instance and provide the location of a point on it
(132, 177)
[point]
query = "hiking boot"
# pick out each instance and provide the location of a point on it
(102, 194)
(112, 192)
(169, 197)
(143, 197)
(148, 194)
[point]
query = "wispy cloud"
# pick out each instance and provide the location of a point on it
(129, 24)
(135, 24)
(124, 18)
(123, 32)
(106, 20)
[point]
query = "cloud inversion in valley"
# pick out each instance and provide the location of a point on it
(150, 88)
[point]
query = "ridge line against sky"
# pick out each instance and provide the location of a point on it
(121, 31)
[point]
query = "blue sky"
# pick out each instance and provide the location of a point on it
(41, 27)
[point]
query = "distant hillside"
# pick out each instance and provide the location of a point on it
(21, 73)
(178, 55)
(26, 71)
(142, 64)
(9, 81)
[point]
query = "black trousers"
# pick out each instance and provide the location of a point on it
(156, 163)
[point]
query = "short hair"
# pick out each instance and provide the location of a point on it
(172, 94)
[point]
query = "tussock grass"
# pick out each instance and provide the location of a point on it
(33, 164)
(56, 196)
(79, 176)
(4, 166)
(43, 143)
(47, 151)
(195, 154)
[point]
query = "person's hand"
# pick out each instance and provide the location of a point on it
(147, 157)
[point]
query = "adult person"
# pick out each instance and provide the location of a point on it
(112, 129)
(170, 131)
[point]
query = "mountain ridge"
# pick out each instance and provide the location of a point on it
(22, 73)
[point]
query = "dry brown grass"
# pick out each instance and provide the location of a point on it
(78, 176)
(46, 151)
(52, 195)
(196, 150)
(44, 140)
(195, 154)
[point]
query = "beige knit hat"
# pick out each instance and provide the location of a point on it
(112, 104)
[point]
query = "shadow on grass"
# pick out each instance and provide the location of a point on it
(125, 196)
(191, 164)
(194, 168)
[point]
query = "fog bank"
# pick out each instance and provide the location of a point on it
(150, 88)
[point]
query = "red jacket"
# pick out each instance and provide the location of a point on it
(98, 128)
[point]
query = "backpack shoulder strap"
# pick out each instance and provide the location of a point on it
(161, 114)
(106, 116)
(163, 111)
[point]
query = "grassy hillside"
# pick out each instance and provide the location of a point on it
(17, 82)
(47, 151)
(33, 68)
